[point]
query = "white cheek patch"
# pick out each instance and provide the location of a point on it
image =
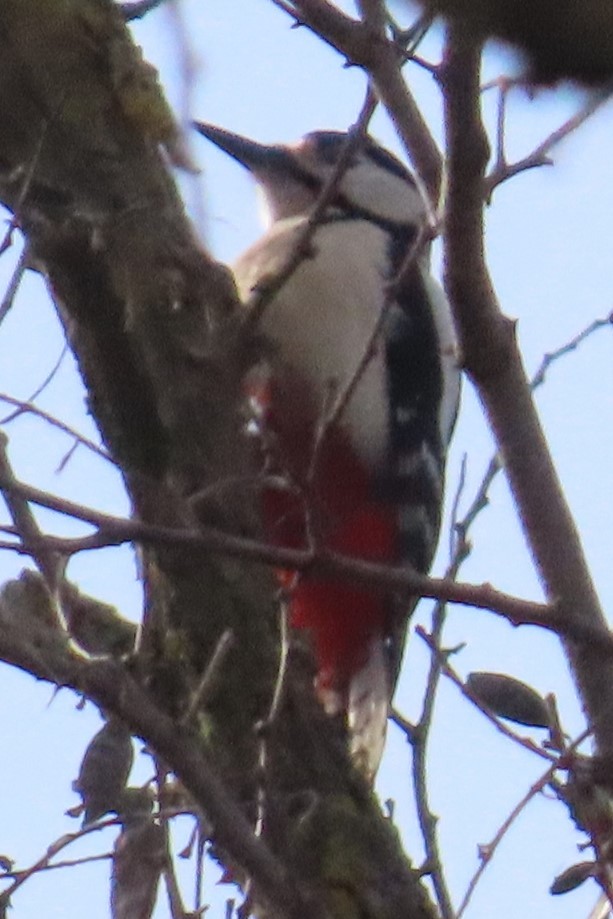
(383, 194)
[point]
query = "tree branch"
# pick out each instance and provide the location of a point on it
(493, 362)
(117, 530)
(154, 324)
(382, 60)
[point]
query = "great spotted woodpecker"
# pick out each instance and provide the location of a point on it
(354, 404)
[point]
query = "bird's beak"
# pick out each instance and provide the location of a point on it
(251, 154)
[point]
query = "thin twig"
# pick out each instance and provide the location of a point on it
(65, 863)
(49, 562)
(571, 345)
(116, 530)
(370, 347)
(539, 156)
(28, 407)
(418, 734)
(268, 287)
(426, 818)
(500, 726)
(487, 852)
(210, 675)
(173, 891)
(201, 842)
(273, 712)
(480, 500)
(42, 864)
(13, 284)
(382, 60)
(41, 387)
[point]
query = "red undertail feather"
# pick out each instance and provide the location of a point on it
(348, 622)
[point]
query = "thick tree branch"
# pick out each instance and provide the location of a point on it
(154, 324)
(493, 362)
(108, 684)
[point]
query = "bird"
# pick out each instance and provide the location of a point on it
(353, 399)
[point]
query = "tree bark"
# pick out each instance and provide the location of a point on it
(152, 320)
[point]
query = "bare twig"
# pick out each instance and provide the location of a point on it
(13, 284)
(480, 500)
(41, 387)
(571, 345)
(382, 60)
(65, 863)
(460, 549)
(425, 816)
(493, 361)
(273, 712)
(189, 66)
(503, 170)
(109, 685)
(269, 286)
(173, 891)
(486, 852)
(28, 407)
(210, 675)
(49, 562)
(500, 726)
(339, 403)
(116, 530)
(43, 863)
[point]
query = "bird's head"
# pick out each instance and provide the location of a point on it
(374, 185)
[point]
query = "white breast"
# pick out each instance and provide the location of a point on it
(322, 319)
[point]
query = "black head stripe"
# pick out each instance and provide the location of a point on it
(329, 146)
(388, 161)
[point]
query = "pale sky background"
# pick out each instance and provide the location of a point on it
(549, 242)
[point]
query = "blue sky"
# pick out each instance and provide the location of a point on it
(549, 253)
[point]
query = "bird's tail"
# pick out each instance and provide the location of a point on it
(367, 709)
